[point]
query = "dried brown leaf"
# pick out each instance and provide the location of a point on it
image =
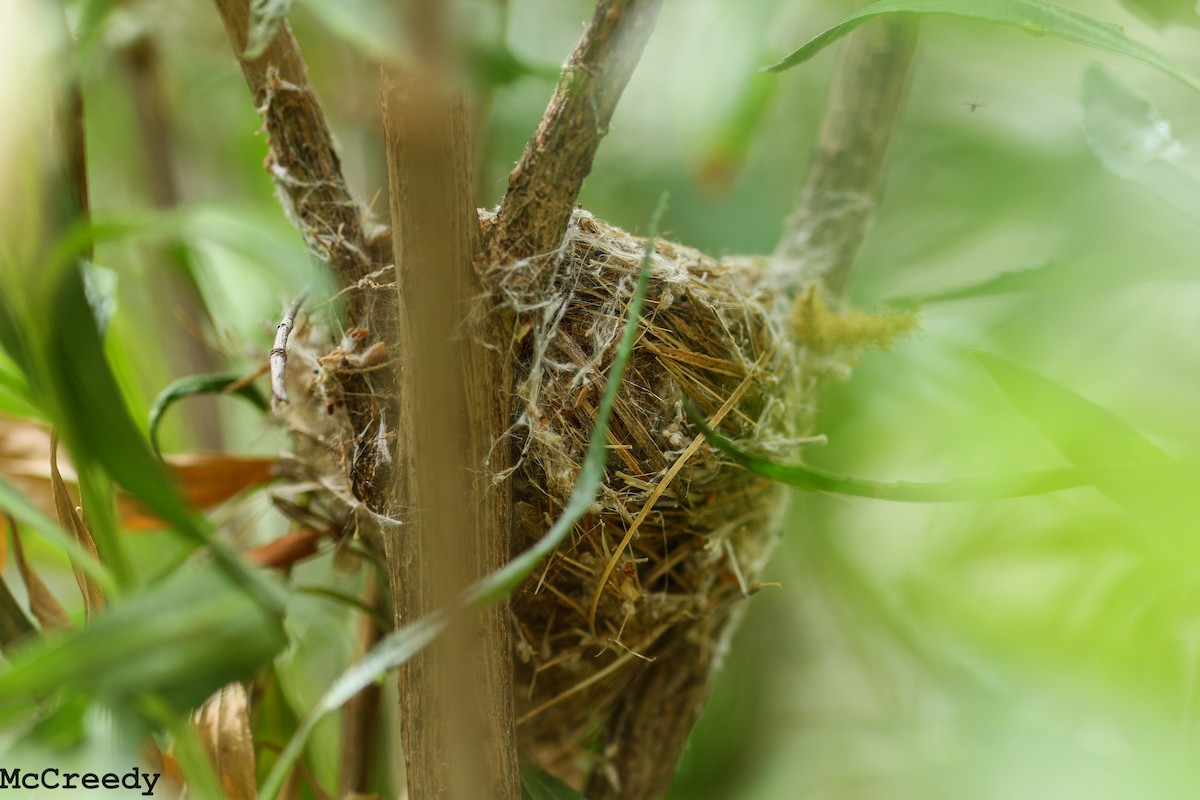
(206, 480)
(285, 550)
(223, 725)
(42, 603)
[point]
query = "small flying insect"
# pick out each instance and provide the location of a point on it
(974, 104)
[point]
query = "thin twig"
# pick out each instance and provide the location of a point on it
(545, 184)
(824, 234)
(279, 352)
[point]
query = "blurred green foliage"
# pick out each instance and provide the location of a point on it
(1043, 647)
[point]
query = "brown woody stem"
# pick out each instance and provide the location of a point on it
(303, 159)
(457, 728)
(837, 207)
(543, 187)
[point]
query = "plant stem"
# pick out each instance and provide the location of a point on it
(545, 184)
(303, 159)
(837, 207)
(457, 729)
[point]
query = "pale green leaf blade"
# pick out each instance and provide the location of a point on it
(1003, 487)
(1133, 142)
(1086, 433)
(1032, 16)
(1159, 494)
(179, 641)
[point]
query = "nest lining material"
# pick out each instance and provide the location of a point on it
(676, 536)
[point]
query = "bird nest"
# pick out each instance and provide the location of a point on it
(617, 634)
(676, 537)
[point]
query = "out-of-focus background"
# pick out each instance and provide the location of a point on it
(1046, 647)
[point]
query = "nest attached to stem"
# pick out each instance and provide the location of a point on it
(619, 632)
(676, 537)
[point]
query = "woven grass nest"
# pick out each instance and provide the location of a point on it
(618, 633)
(675, 539)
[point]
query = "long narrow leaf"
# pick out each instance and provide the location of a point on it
(1133, 142)
(401, 645)
(12, 501)
(1032, 16)
(1087, 434)
(1020, 484)
(193, 385)
(179, 641)
(98, 426)
(1090, 437)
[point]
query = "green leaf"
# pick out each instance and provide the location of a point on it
(1133, 142)
(178, 641)
(1161, 13)
(15, 397)
(369, 25)
(1158, 495)
(1084, 432)
(1031, 16)
(265, 18)
(193, 385)
(401, 645)
(1019, 484)
(1043, 276)
(541, 785)
(95, 421)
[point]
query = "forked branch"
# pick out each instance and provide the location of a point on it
(543, 187)
(824, 234)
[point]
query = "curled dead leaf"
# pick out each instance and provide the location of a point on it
(223, 726)
(42, 603)
(205, 479)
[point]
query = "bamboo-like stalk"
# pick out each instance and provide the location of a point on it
(457, 727)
